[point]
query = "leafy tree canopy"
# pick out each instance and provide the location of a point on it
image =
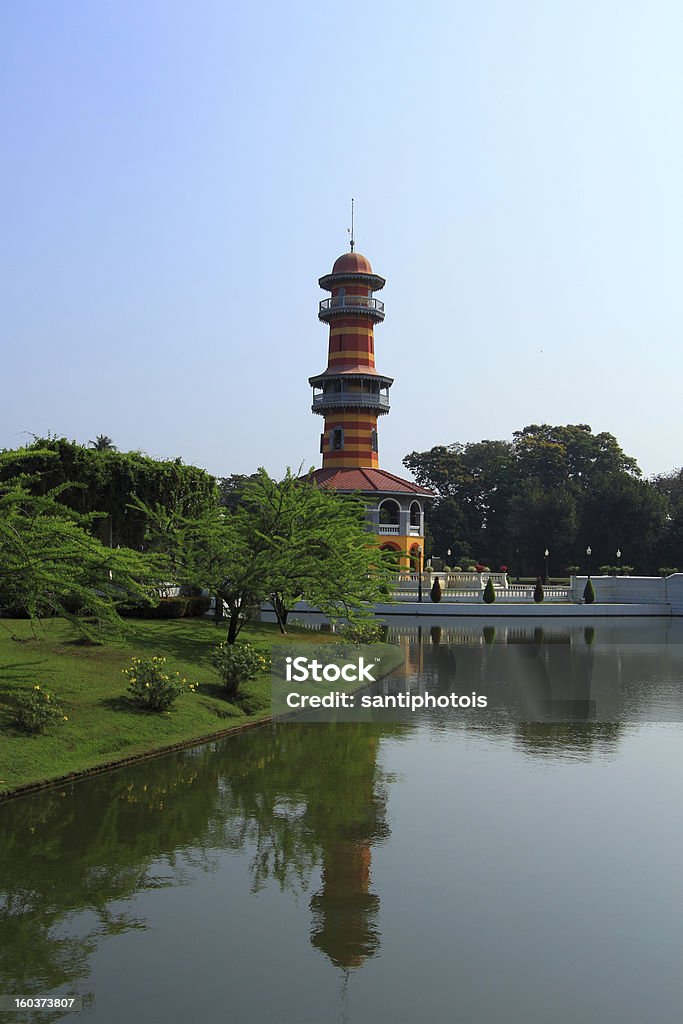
(50, 562)
(560, 487)
(284, 541)
(100, 479)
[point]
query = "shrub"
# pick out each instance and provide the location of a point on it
(481, 568)
(627, 570)
(237, 663)
(168, 608)
(489, 592)
(362, 632)
(197, 604)
(605, 570)
(667, 571)
(539, 593)
(435, 592)
(589, 592)
(573, 570)
(151, 687)
(36, 710)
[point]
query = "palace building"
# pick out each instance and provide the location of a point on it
(351, 395)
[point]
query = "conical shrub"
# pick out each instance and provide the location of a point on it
(435, 592)
(539, 593)
(589, 592)
(489, 592)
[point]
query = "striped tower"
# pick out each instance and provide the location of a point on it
(350, 393)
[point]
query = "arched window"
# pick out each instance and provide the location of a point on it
(415, 513)
(389, 512)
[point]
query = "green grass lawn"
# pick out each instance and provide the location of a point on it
(103, 725)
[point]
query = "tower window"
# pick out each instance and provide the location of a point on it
(373, 440)
(337, 439)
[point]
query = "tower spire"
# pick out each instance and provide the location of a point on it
(353, 240)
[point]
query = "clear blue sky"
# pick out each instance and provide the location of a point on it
(176, 176)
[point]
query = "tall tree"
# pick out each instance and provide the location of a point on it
(506, 502)
(285, 541)
(103, 443)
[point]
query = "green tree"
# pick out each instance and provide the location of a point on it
(670, 487)
(506, 501)
(50, 563)
(102, 443)
(108, 482)
(285, 541)
(538, 518)
(625, 513)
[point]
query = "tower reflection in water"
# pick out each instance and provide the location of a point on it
(329, 776)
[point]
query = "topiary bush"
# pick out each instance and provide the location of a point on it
(539, 593)
(489, 634)
(36, 710)
(237, 663)
(436, 593)
(489, 592)
(151, 687)
(589, 592)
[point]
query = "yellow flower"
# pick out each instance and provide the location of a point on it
(66, 719)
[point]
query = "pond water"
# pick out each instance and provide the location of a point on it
(520, 863)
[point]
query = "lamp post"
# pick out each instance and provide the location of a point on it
(588, 556)
(546, 553)
(419, 573)
(618, 561)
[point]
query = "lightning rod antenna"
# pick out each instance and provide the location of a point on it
(353, 241)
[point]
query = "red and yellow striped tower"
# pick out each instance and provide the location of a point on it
(350, 394)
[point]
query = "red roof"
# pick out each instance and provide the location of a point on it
(366, 480)
(352, 263)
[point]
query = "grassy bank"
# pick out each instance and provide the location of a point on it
(103, 724)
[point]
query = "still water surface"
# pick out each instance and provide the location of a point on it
(518, 865)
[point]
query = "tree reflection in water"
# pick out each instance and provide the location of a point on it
(296, 795)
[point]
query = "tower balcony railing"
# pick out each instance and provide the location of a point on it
(389, 528)
(351, 303)
(350, 398)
